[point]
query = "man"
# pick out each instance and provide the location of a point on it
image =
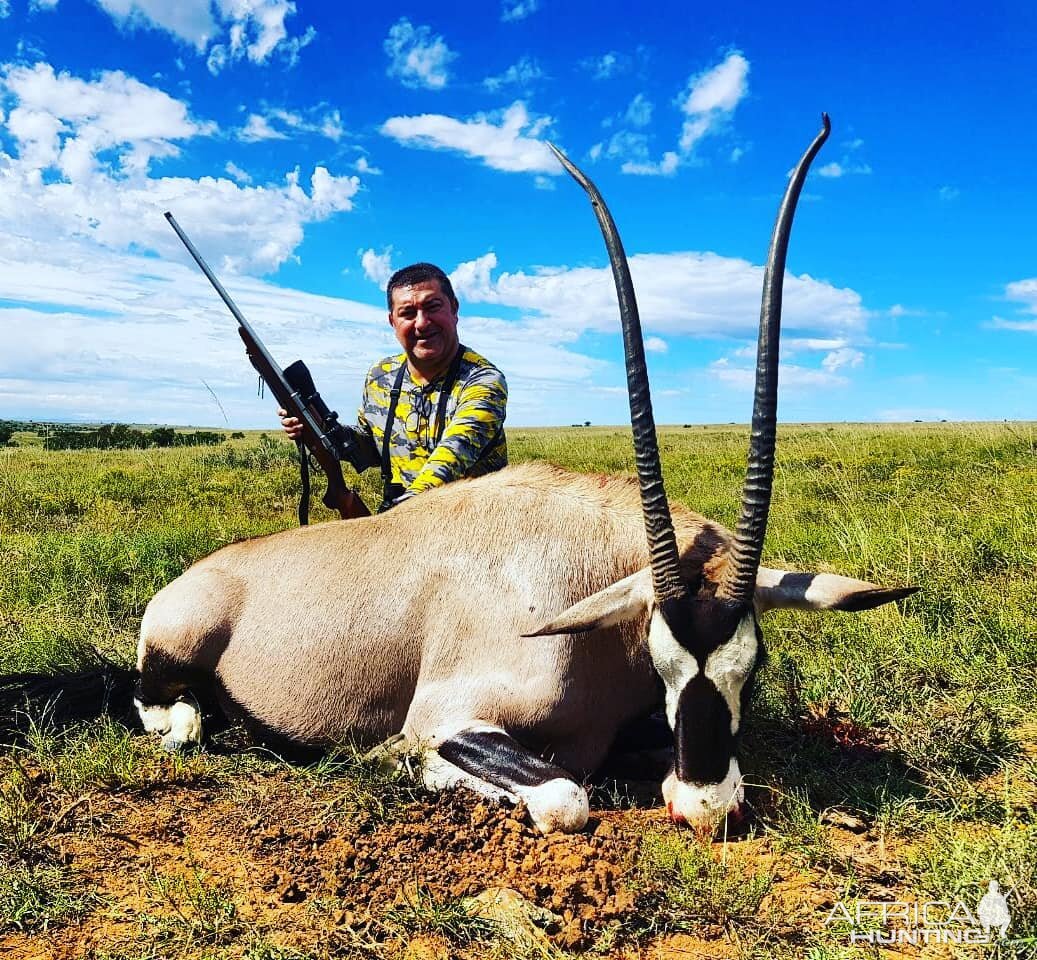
(434, 413)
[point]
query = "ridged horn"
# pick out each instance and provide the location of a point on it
(662, 541)
(740, 583)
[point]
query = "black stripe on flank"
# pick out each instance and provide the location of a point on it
(493, 756)
(702, 733)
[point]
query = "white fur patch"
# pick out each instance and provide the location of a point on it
(179, 725)
(673, 663)
(440, 774)
(729, 665)
(703, 804)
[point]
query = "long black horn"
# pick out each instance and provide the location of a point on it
(662, 542)
(740, 583)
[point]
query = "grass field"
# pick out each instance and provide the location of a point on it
(891, 755)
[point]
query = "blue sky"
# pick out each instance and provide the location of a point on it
(309, 148)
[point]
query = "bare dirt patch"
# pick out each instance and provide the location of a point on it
(273, 865)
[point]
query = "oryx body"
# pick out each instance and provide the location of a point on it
(412, 621)
(510, 625)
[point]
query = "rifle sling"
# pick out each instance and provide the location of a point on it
(304, 474)
(390, 416)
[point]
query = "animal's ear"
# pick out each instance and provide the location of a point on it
(783, 589)
(624, 600)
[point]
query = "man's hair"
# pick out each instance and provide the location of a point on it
(419, 273)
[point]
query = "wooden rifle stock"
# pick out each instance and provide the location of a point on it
(323, 440)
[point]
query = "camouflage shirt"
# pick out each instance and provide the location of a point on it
(472, 442)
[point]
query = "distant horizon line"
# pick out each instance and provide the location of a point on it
(551, 426)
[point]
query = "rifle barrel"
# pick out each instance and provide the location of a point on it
(218, 287)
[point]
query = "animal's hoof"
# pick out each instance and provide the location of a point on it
(557, 806)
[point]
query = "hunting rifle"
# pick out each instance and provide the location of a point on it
(322, 435)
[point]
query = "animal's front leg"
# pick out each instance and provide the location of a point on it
(486, 759)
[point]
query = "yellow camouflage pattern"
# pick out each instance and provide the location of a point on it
(473, 441)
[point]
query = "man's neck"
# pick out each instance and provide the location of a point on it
(424, 374)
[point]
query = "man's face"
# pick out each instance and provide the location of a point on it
(425, 322)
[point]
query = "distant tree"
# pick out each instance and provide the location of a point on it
(586, 423)
(6, 432)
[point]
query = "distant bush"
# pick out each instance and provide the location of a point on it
(120, 437)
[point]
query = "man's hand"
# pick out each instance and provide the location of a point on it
(292, 426)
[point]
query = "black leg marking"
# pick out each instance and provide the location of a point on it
(493, 756)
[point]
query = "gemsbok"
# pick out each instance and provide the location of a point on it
(508, 626)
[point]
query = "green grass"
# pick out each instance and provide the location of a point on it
(421, 913)
(100, 755)
(957, 862)
(365, 782)
(692, 884)
(195, 910)
(939, 691)
(35, 895)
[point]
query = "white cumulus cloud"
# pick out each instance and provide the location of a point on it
(82, 169)
(1024, 293)
(665, 167)
(63, 122)
(237, 173)
(416, 57)
(707, 102)
(189, 20)
(790, 376)
(843, 357)
(519, 74)
(690, 294)
(363, 165)
(512, 10)
(712, 97)
(259, 128)
(508, 144)
(236, 29)
(377, 266)
(276, 123)
(639, 112)
(849, 164)
(606, 66)
(330, 194)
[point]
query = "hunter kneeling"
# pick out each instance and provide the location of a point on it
(434, 413)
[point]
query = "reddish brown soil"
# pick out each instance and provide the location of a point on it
(305, 873)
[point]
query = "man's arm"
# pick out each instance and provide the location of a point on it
(475, 425)
(363, 452)
(361, 449)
